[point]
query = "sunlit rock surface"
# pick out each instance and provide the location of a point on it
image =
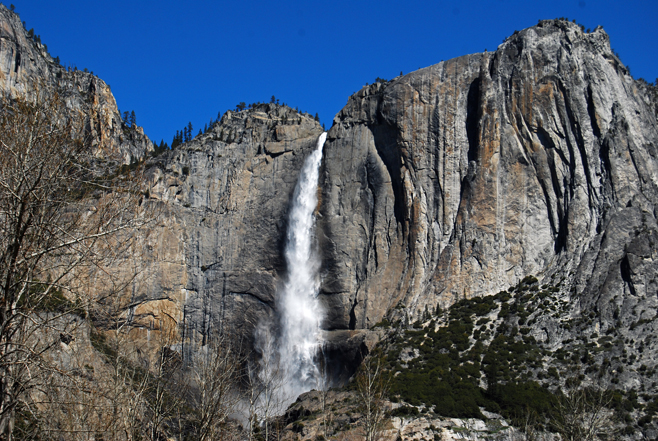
(461, 178)
(225, 198)
(26, 66)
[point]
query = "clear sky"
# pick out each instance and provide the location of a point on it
(175, 62)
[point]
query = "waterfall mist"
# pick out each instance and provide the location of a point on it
(290, 346)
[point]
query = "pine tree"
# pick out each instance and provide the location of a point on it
(125, 117)
(189, 131)
(133, 119)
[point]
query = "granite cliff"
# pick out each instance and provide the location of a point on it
(26, 66)
(216, 257)
(451, 182)
(461, 178)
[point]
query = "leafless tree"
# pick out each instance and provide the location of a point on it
(372, 387)
(168, 387)
(216, 378)
(324, 387)
(585, 415)
(271, 378)
(58, 219)
(264, 382)
(253, 390)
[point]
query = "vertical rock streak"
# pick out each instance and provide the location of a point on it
(299, 311)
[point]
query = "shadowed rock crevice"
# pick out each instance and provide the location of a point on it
(591, 110)
(352, 324)
(473, 116)
(551, 188)
(385, 138)
(626, 272)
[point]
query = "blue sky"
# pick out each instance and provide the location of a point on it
(173, 62)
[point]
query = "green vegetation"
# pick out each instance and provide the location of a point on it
(42, 297)
(481, 354)
(182, 136)
(129, 119)
(185, 135)
(455, 357)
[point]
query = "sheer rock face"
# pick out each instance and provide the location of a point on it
(224, 196)
(461, 178)
(26, 65)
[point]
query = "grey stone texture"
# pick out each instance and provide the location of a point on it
(459, 179)
(27, 67)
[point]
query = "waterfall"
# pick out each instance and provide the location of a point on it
(289, 366)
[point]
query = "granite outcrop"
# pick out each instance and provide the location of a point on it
(224, 196)
(26, 67)
(460, 179)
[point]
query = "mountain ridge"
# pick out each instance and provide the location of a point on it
(473, 139)
(26, 67)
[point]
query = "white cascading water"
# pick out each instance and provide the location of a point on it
(292, 357)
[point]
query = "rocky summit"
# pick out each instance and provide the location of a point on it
(527, 170)
(460, 179)
(26, 67)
